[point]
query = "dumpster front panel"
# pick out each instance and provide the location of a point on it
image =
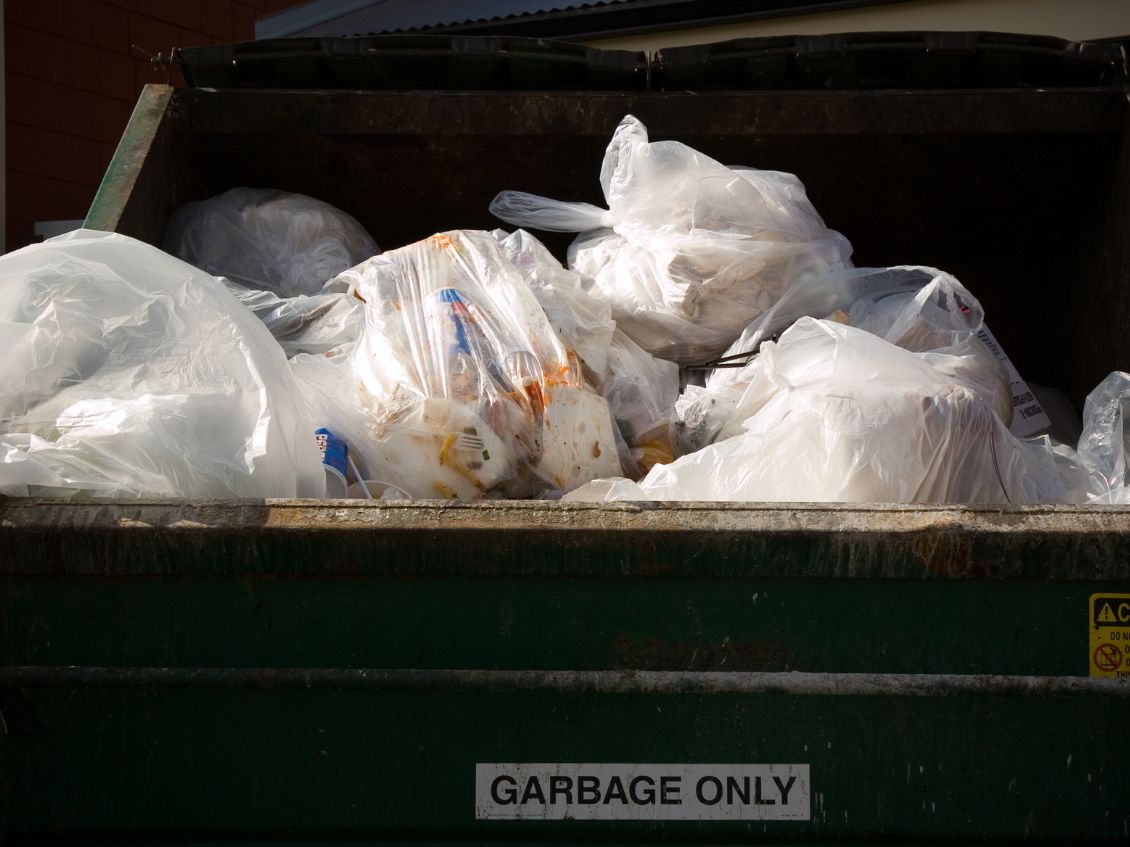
(329, 670)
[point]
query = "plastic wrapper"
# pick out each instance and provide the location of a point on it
(327, 324)
(834, 413)
(640, 389)
(288, 244)
(919, 309)
(459, 387)
(689, 250)
(128, 373)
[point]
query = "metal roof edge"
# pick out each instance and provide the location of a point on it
(295, 20)
(598, 15)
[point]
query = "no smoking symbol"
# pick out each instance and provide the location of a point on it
(1108, 657)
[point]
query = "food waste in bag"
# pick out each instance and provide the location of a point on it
(640, 389)
(459, 386)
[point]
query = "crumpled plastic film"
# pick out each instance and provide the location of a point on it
(288, 244)
(129, 373)
(460, 385)
(689, 251)
(326, 324)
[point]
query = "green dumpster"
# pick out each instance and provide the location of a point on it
(438, 672)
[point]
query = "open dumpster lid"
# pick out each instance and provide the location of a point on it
(413, 62)
(890, 60)
(861, 60)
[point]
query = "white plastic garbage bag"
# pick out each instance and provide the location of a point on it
(269, 240)
(689, 250)
(834, 413)
(459, 387)
(920, 309)
(128, 373)
(640, 389)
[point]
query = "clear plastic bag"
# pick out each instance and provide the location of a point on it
(128, 373)
(583, 323)
(834, 413)
(459, 386)
(920, 309)
(689, 250)
(288, 244)
(640, 389)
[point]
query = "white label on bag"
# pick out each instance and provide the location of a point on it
(1028, 416)
(641, 792)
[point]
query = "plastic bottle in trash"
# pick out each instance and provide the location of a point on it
(335, 460)
(487, 344)
(484, 347)
(461, 356)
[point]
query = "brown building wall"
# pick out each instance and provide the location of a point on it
(72, 75)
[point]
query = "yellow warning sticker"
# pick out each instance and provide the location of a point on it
(1110, 635)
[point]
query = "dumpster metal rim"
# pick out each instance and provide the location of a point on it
(123, 513)
(792, 683)
(322, 539)
(305, 515)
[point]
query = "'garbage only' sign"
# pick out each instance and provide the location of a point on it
(646, 792)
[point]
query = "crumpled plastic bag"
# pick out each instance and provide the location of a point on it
(268, 240)
(128, 373)
(640, 389)
(834, 413)
(459, 387)
(920, 309)
(1102, 452)
(689, 250)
